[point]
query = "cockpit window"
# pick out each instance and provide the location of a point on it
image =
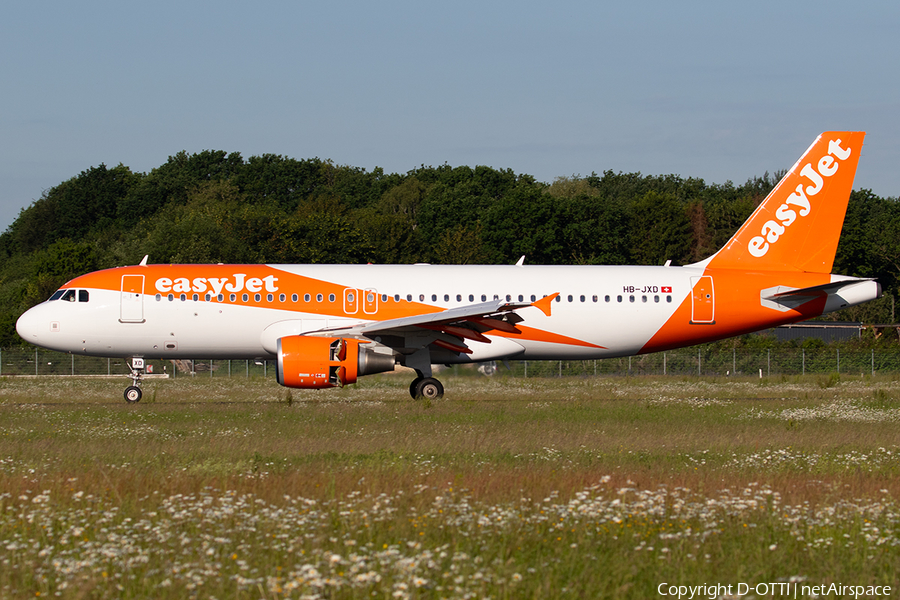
(71, 295)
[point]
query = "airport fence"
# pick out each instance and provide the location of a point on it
(701, 361)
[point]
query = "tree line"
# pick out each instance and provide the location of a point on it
(214, 206)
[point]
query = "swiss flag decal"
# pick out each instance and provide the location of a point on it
(667, 289)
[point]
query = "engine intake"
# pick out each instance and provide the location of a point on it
(323, 362)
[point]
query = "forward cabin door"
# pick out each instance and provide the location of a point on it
(132, 308)
(703, 300)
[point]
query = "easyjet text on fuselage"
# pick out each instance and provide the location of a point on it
(236, 283)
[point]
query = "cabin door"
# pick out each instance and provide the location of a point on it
(132, 309)
(703, 300)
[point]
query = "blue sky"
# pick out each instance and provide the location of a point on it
(721, 91)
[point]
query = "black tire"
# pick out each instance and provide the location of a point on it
(414, 386)
(133, 394)
(429, 388)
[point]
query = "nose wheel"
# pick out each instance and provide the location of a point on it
(427, 388)
(133, 392)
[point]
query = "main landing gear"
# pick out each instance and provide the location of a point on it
(133, 392)
(427, 388)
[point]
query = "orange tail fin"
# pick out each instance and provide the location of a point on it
(798, 225)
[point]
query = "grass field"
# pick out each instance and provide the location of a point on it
(540, 488)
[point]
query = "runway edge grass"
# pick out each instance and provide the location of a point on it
(507, 489)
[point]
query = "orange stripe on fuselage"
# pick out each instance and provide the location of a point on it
(738, 309)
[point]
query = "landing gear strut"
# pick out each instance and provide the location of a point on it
(427, 388)
(133, 392)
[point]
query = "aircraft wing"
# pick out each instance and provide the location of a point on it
(448, 329)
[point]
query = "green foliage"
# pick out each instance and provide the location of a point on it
(659, 230)
(215, 206)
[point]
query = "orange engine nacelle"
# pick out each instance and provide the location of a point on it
(323, 362)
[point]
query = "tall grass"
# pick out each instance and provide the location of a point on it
(582, 487)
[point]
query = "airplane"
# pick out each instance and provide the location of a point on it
(328, 325)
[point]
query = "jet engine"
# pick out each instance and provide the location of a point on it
(324, 362)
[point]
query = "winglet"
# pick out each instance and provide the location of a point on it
(144, 261)
(544, 303)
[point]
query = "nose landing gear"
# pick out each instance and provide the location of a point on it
(133, 392)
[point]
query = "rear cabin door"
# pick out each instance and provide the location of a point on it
(703, 300)
(132, 309)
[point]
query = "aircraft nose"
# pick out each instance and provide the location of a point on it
(29, 325)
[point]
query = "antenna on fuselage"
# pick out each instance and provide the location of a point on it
(521, 261)
(144, 261)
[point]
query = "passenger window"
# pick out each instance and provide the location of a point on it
(459, 297)
(159, 297)
(631, 298)
(533, 298)
(306, 297)
(282, 297)
(294, 297)
(232, 297)
(618, 298)
(656, 299)
(208, 297)
(257, 297)
(421, 297)
(471, 298)
(668, 298)
(171, 297)
(446, 297)
(83, 295)
(319, 297)
(434, 297)
(606, 298)
(581, 298)
(409, 297)
(245, 297)
(269, 297)
(643, 298)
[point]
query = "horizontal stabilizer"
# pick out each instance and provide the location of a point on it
(842, 293)
(816, 290)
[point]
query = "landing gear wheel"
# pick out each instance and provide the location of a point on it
(429, 388)
(133, 394)
(413, 386)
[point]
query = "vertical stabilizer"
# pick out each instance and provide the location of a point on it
(797, 227)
